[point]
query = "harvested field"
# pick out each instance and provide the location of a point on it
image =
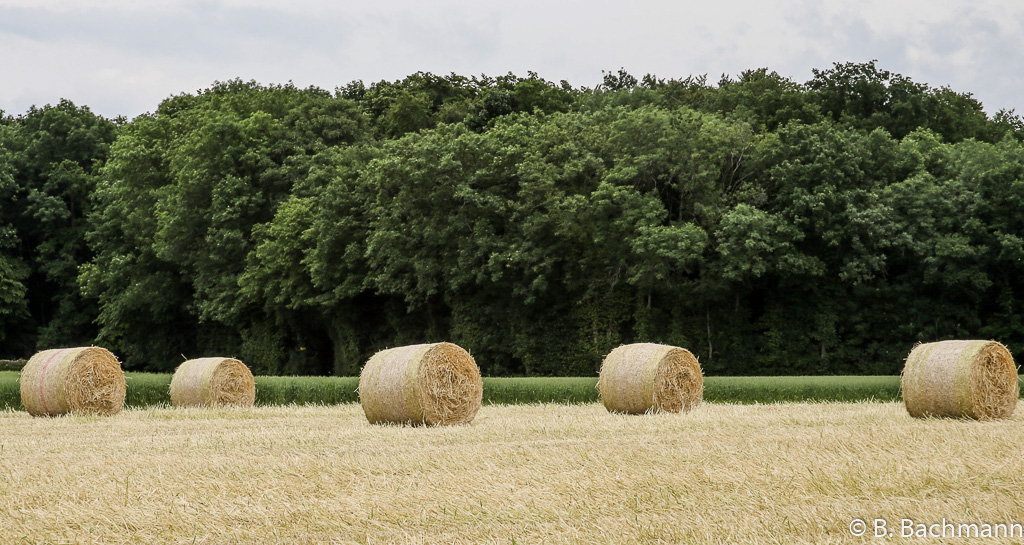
(780, 473)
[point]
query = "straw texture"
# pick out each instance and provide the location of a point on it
(962, 379)
(86, 380)
(647, 377)
(213, 381)
(432, 384)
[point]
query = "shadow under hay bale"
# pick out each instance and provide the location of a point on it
(647, 377)
(85, 380)
(432, 384)
(213, 381)
(961, 379)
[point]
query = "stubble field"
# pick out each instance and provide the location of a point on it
(778, 473)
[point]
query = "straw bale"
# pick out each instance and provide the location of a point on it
(432, 384)
(213, 381)
(86, 380)
(646, 377)
(960, 379)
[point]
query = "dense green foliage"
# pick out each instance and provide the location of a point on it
(769, 226)
(49, 160)
(12, 365)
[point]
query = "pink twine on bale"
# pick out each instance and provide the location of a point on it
(42, 376)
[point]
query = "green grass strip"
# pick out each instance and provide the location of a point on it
(799, 389)
(716, 389)
(515, 391)
(306, 390)
(149, 389)
(10, 391)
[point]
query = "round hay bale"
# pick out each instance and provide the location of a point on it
(213, 381)
(433, 384)
(85, 380)
(972, 379)
(646, 377)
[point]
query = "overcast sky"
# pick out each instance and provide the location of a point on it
(123, 57)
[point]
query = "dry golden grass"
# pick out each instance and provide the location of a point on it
(792, 473)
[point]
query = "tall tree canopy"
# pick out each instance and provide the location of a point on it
(771, 227)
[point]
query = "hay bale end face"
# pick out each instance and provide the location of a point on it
(213, 381)
(646, 377)
(960, 379)
(86, 380)
(432, 384)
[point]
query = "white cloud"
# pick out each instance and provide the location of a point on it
(122, 57)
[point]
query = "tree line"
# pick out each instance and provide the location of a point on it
(770, 226)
